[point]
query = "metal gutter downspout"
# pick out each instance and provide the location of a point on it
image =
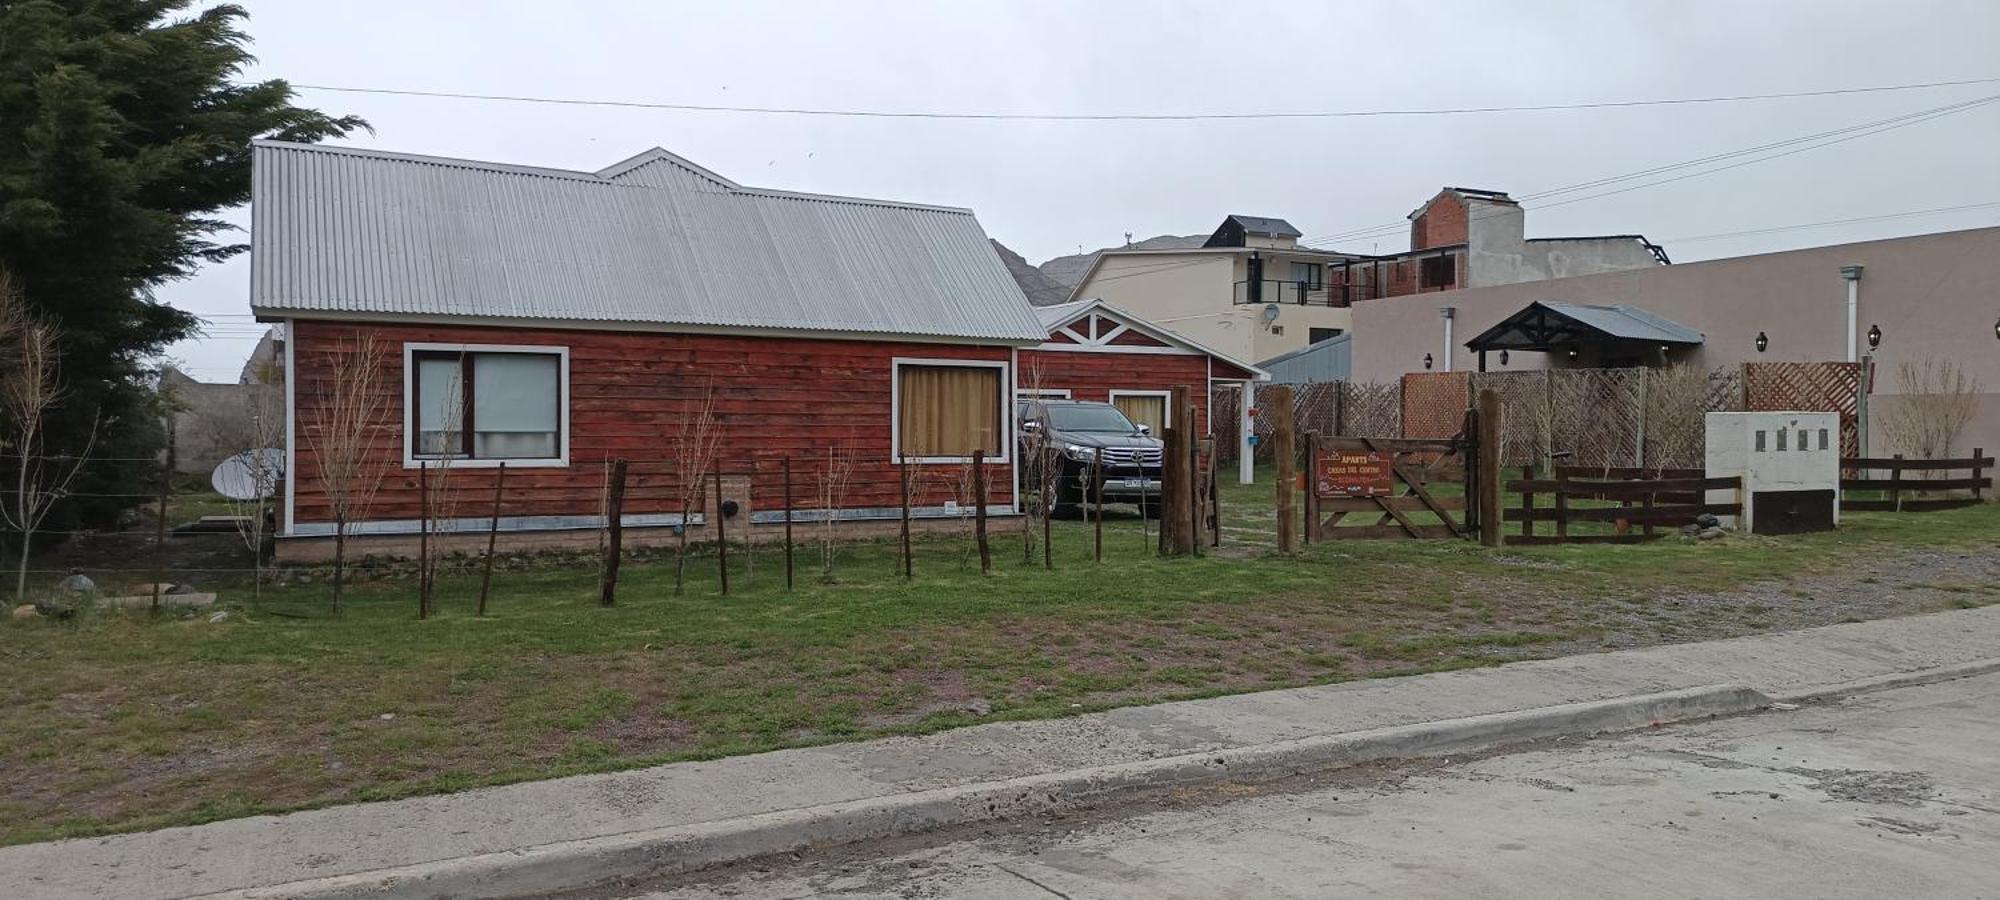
(1447, 313)
(1852, 274)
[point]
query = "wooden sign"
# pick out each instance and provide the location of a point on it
(1349, 473)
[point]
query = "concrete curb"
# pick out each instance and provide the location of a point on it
(574, 864)
(1892, 681)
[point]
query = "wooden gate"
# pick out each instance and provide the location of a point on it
(1387, 488)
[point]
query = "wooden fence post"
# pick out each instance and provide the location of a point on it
(1214, 500)
(614, 514)
(1313, 516)
(1285, 450)
(1528, 502)
(788, 524)
(1978, 453)
(979, 511)
(1489, 468)
(423, 540)
(903, 477)
(492, 536)
(1895, 483)
(1562, 504)
(721, 537)
(1190, 526)
(159, 526)
(1097, 489)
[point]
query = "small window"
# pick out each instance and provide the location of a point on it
(947, 411)
(486, 405)
(1822, 439)
(1438, 272)
(1315, 335)
(1760, 440)
(1308, 273)
(1781, 440)
(1148, 408)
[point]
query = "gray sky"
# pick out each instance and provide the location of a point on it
(1046, 188)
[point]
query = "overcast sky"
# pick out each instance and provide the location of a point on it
(1048, 188)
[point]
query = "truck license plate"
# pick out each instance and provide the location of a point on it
(1135, 482)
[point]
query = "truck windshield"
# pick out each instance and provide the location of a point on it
(1090, 418)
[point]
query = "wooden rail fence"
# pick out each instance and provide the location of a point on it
(1648, 498)
(1896, 485)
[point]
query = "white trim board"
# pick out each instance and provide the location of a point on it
(412, 461)
(896, 406)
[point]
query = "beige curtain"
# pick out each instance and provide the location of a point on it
(1142, 410)
(949, 410)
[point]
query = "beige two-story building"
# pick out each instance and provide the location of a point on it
(1251, 291)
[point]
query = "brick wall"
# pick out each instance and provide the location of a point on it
(1443, 223)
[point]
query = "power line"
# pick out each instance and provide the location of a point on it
(1823, 139)
(1136, 117)
(1830, 222)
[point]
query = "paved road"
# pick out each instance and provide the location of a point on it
(1890, 794)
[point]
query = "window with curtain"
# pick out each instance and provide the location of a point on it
(487, 405)
(948, 411)
(1149, 410)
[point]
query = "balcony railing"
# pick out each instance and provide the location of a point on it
(1302, 293)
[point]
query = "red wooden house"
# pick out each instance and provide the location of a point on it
(556, 320)
(1096, 351)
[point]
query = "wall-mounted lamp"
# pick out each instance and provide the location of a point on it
(1503, 353)
(1428, 362)
(1763, 342)
(1996, 328)
(1572, 353)
(1874, 336)
(1663, 349)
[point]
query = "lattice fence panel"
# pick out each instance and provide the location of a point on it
(1808, 387)
(1434, 404)
(1315, 409)
(1524, 417)
(1371, 409)
(1596, 415)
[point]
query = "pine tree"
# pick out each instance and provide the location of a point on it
(123, 132)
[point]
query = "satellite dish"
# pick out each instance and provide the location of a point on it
(1270, 313)
(250, 475)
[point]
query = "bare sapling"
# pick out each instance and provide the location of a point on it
(29, 387)
(695, 445)
(341, 427)
(1676, 416)
(439, 502)
(259, 434)
(1033, 440)
(834, 475)
(1938, 400)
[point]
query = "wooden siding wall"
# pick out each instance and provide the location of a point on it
(1093, 376)
(628, 392)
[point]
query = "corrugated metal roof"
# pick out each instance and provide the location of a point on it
(1329, 360)
(1626, 322)
(340, 230)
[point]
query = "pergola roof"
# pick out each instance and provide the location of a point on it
(1547, 324)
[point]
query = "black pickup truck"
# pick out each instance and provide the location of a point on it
(1072, 434)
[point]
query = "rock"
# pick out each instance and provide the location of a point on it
(387, 717)
(218, 618)
(77, 583)
(1690, 530)
(1709, 534)
(26, 611)
(1708, 520)
(180, 587)
(978, 706)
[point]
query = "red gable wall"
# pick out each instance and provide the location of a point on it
(775, 397)
(1093, 376)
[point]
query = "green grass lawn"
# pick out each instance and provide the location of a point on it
(125, 721)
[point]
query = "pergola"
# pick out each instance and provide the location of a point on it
(1549, 326)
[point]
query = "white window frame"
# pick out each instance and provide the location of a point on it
(896, 406)
(1166, 397)
(410, 351)
(1041, 394)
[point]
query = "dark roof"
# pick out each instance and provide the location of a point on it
(1547, 324)
(1265, 225)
